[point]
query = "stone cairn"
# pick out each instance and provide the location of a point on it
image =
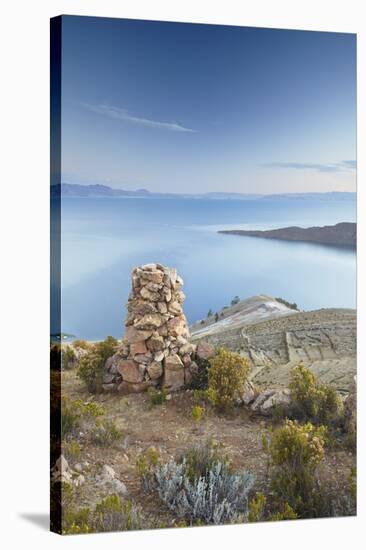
(156, 350)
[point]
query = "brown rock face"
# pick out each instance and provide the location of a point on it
(205, 350)
(156, 348)
(133, 335)
(173, 373)
(130, 371)
(155, 370)
(138, 347)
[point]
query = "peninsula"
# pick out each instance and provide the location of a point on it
(341, 234)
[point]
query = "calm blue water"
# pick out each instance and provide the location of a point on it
(103, 239)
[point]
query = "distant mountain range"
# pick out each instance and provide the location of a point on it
(103, 191)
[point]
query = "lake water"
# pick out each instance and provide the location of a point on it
(103, 239)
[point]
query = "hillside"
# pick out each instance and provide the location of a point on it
(341, 234)
(275, 338)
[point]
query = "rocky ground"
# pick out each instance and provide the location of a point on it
(169, 428)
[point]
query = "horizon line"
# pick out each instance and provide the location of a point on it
(140, 189)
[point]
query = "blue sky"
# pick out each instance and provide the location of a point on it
(195, 108)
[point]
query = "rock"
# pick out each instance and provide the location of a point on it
(159, 356)
(129, 371)
(149, 322)
(79, 480)
(162, 307)
(186, 360)
(187, 348)
(149, 295)
(249, 393)
(119, 487)
(205, 350)
(110, 387)
(172, 274)
(269, 400)
(163, 330)
(175, 308)
(61, 472)
(154, 287)
(153, 276)
(143, 358)
(149, 267)
(155, 370)
(138, 347)
(111, 365)
(155, 343)
(178, 283)
(177, 326)
(187, 377)
(108, 377)
(107, 479)
(179, 296)
(141, 307)
(133, 335)
(107, 473)
(168, 294)
(78, 467)
(173, 373)
(261, 398)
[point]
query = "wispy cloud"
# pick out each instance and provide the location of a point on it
(341, 166)
(122, 114)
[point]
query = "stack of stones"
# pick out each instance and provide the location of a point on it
(156, 349)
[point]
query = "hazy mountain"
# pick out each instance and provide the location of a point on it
(103, 191)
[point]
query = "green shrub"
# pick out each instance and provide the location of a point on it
(313, 401)
(110, 514)
(113, 514)
(105, 433)
(157, 397)
(286, 513)
(72, 450)
(226, 377)
(197, 413)
(77, 522)
(70, 416)
(146, 462)
(90, 371)
(74, 413)
(91, 365)
(68, 357)
(288, 304)
(201, 458)
(200, 377)
(295, 451)
(256, 508)
(106, 348)
(83, 344)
